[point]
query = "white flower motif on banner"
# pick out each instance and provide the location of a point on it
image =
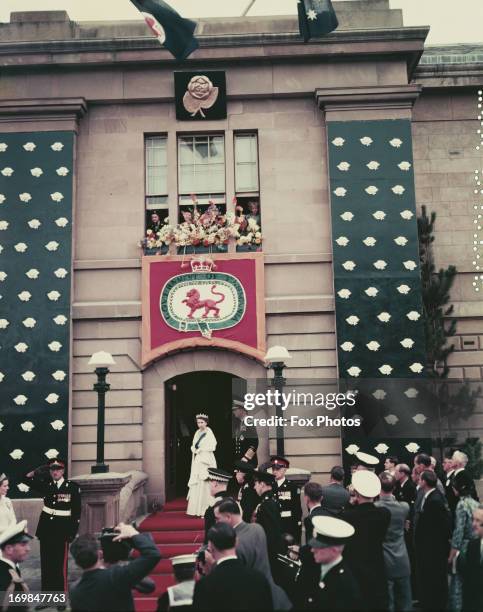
(340, 192)
(34, 224)
(21, 347)
(30, 146)
(3, 147)
(344, 294)
(58, 425)
(60, 272)
(410, 264)
(381, 448)
(36, 172)
(342, 241)
(23, 488)
(379, 215)
(20, 247)
(416, 367)
(398, 189)
(24, 197)
(371, 190)
(373, 345)
(52, 453)
(385, 369)
(347, 346)
(57, 146)
(55, 346)
(366, 141)
(384, 317)
(52, 398)
(2, 376)
(33, 273)
(17, 454)
(338, 142)
(406, 214)
(413, 315)
(1, 248)
(379, 394)
(401, 241)
(60, 320)
(343, 166)
(24, 296)
(380, 264)
(4, 323)
(407, 343)
(347, 216)
(2, 198)
(62, 171)
(354, 371)
(7, 171)
(57, 196)
(28, 376)
(391, 419)
(29, 322)
(412, 447)
(404, 165)
(369, 241)
(4, 225)
(27, 426)
(404, 289)
(61, 222)
(20, 400)
(352, 449)
(349, 265)
(411, 393)
(53, 296)
(419, 418)
(352, 320)
(52, 245)
(396, 143)
(373, 165)
(3, 276)
(59, 375)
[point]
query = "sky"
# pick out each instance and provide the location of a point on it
(450, 21)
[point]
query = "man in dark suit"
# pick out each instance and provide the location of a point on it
(431, 539)
(405, 489)
(230, 585)
(335, 496)
(288, 495)
(313, 498)
(15, 548)
(452, 499)
(470, 566)
(218, 481)
(460, 461)
(267, 514)
(245, 437)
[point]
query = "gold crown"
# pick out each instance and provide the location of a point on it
(202, 264)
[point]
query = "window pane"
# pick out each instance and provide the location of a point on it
(156, 166)
(201, 164)
(246, 162)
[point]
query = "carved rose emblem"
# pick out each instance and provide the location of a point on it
(200, 94)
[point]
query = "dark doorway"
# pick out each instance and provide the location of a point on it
(187, 395)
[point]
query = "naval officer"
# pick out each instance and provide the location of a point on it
(288, 495)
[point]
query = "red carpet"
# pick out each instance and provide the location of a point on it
(175, 533)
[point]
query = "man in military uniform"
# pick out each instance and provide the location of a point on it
(58, 523)
(218, 480)
(267, 514)
(325, 582)
(288, 495)
(245, 437)
(15, 548)
(180, 595)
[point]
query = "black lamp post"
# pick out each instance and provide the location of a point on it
(275, 359)
(101, 360)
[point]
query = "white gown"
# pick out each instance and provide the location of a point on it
(7, 513)
(203, 457)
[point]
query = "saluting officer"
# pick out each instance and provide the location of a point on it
(288, 494)
(14, 548)
(58, 523)
(218, 481)
(245, 437)
(267, 514)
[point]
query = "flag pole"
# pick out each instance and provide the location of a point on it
(250, 4)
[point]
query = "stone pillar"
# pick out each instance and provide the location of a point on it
(100, 495)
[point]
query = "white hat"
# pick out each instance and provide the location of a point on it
(184, 560)
(366, 483)
(15, 534)
(366, 459)
(330, 531)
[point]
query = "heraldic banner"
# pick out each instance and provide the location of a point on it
(203, 301)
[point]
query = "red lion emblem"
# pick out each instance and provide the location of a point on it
(194, 303)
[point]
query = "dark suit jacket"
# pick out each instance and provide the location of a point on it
(210, 513)
(232, 586)
(334, 498)
(470, 566)
(406, 493)
(309, 528)
(5, 581)
(268, 516)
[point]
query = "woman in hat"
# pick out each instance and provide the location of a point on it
(7, 513)
(203, 457)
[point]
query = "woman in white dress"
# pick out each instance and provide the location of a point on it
(203, 449)
(7, 513)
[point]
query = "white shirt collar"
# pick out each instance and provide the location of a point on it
(220, 561)
(458, 471)
(403, 482)
(316, 506)
(428, 493)
(448, 474)
(280, 482)
(325, 569)
(59, 483)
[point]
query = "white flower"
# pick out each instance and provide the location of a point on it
(380, 264)
(404, 289)
(419, 418)
(384, 317)
(61, 222)
(366, 141)
(373, 165)
(52, 453)
(29, 322)
(16, 454)
(20, 247)
(7, 171)
(28, 376)
(62, 171)
(23, 487)
(3, 276)
(2, 376)
(4, 225)
(60, 320)
(30, 146)
(411, 393)
(413, 315)
(57, 196)
(34, 223)
(20, 400)
(373, 345)
(2, 198)
(385, 369)
(344, 294)
(36, 172)
(24, 197)
(347, 216)
(412, 447)
(338, 142)
(52, 245)
(53, 296)
(352, 449)
(404, 165)
(58, 375)
(57, 146)
(349, 265)
(370, 241)
(4, 323)
(406, 214)
(52, 398)
(32, 273)
(354, 371)
(352, 320)
(379, 394)
(55, 346)
(343, 166)
(398, 189)
(1, 426)
(347, 346)
(401, 241)
(21, 347)
(371, 190)
(342, 241)
(416, 367)
(379, 215)
(407, 343)
(60, 272)
(3, 147)
(27, 425)
(57, 424)
(24, 296)
(381, 448)
(391, 419)
(395, 142)
(410, 264)
(340, 192)
(371, 291)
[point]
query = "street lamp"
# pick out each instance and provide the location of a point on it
(275, 359)
(101, 360)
